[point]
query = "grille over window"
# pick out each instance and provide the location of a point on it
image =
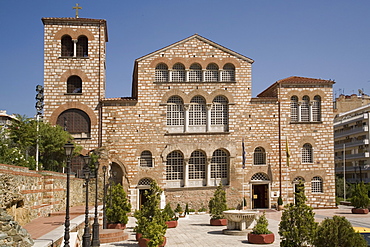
(67, 46)
(74, 84)
(146, 159)
(175, 166)
(82, 46)
(260, 177)
(145, 181)
(74, 121)
(195, 73)
(161, 73)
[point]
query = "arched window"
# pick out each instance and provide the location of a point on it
(197, 111)
(161, 73)
(76, 122)
(260, 177)
(178, 73)
(211, 74)
(305, 109)
(316, 109)
(197, 165)
(220, 111)
(74, 84)
(259, 156)
(175, 166)
(82, 46)
(316, 185)
(175, 111)
(195, 73)
(294, 109)
(219, 164)
(67, 46)
(146, 159)
(307, 154)
(228, 72)
(145, 182)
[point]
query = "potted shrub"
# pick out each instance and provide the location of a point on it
(150, 225)
(187, 209)
(260, 233)
(217, 205)
(360, 199)
(169, 216)
(280, 204)
(179, 210)
(118, 208)
(202, 210)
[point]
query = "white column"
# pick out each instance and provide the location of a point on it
(310, 111)
(186, 120)
(208, 127)
(186, 172)
(170, 75)
(74, 47)
(187, 75)
(208, 172)
(299, 112)
(203, 75)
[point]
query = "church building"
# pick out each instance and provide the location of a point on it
(191, 121)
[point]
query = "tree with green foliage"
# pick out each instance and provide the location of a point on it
(338, 231)
(21, 138)
(119, 205)
(150, 221)
(297, 226)
(360, 198)
(217, 205)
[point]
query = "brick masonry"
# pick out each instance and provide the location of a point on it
(124, 127)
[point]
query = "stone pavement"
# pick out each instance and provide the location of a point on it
(192, 231)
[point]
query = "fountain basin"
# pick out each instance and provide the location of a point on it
(239, 222)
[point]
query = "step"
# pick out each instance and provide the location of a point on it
(112, 235)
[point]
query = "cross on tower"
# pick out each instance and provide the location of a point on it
(77, 8)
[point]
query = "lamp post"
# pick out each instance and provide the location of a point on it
(95, 235)
(86, 173)
(104, 198)
(68, 147)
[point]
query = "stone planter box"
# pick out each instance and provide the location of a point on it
(360, 210)
(143, 242)
(218, 222)
(261, 238)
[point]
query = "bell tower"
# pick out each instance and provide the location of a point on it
(74, 76)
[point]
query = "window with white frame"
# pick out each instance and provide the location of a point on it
(305, 109)
(307, 153)
(294, 109)
(161, 73)
(197, 111)
(175, 111)
(175, 166)
(146, 159)
(316, 109)
(219, 164)
(259, 156)
(228, 72)
(178, 72)
(195, 73)
(197, 165)
(220, 111)
(211, 74)
(316, 185)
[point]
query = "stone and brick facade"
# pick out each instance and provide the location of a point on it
(190, 110)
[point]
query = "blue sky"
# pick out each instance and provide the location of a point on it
(318, 38)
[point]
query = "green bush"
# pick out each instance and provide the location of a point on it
(119, 206)
(360, 198)
(217, 204)
(261, 225)
(179, 209)
(168, 213)
(338, 232)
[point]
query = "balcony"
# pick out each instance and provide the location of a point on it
(353, 156)
(353, 131)
(351, 144)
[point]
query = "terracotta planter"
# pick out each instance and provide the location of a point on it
(138, 236)
(261, 238)
(360, 210)
(218, 222)
(116, 226)
(171, 224)
(143, 242)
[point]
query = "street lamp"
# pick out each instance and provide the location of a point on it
(68, 147)
(86, 174)
(95, 235)
(104, 198)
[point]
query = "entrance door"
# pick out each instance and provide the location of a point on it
(260, 196)
(142, 198)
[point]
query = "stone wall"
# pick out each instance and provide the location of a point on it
(28, 194)
(11, 233)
